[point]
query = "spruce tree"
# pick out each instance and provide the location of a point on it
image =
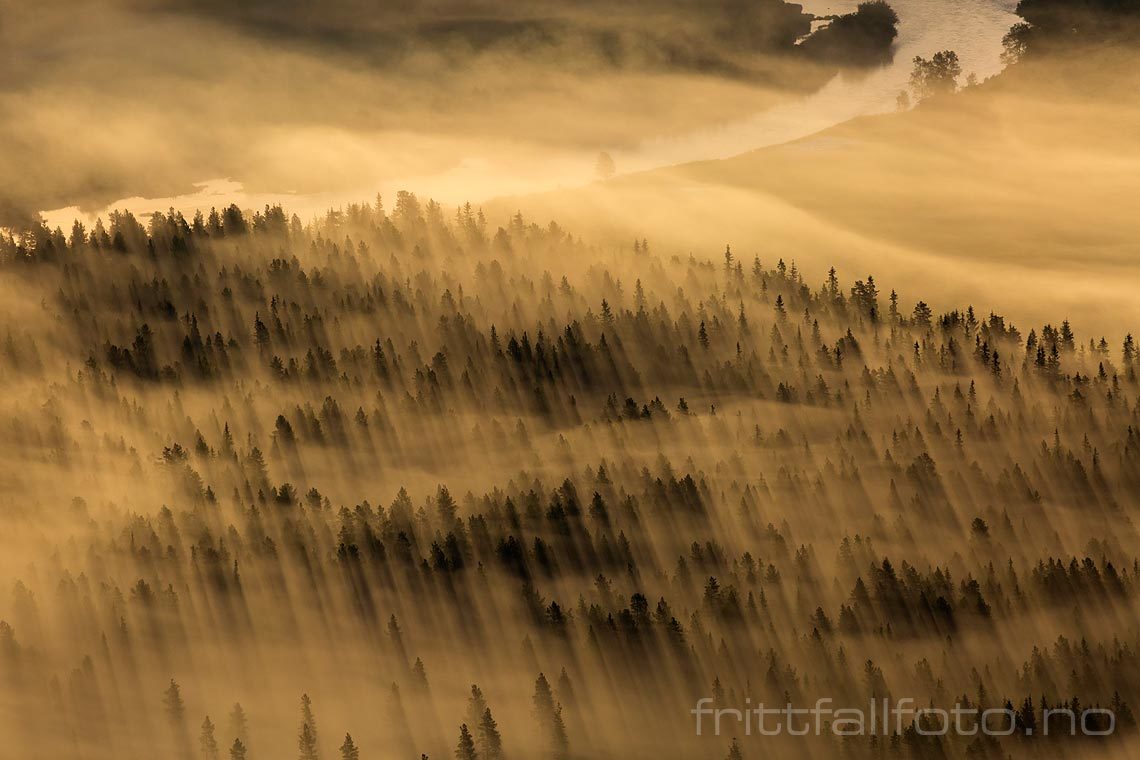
(466, 748)
(490, 741)
(307, 739)
(348, 750)
(206, 740)
(476, 705)
(559, 740)
(307, 743)
(239, 723)
(307, 714)
(543, 697)
(172, 700)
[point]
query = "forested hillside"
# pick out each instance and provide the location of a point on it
(456, 489)
(1017, 191)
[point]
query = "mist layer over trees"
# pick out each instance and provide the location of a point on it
(412, 481)
(360, 93)
(403, 481)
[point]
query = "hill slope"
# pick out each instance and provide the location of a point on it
(1020, 186)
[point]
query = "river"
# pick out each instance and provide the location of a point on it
(972, 28)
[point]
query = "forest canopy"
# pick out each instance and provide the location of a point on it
(440, 485)
(420, 479)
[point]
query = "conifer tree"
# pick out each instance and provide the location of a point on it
(543, 698)
(490, 741)
(206, 740)
(307, 743)
(348, 750)
(466, 748)
(172, 700)
(307, 739)
(476, 705)
(239, 723)
(419, 675)
(560, 740)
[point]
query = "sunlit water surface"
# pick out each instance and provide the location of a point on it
(972, 28)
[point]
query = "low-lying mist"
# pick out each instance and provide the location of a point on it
(1018, 190)
(450, 486)
(597, 473)
(110, 100)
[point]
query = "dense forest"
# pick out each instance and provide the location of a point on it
(401, 482)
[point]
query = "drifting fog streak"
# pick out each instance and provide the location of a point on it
(481, 165)
(109, 100)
